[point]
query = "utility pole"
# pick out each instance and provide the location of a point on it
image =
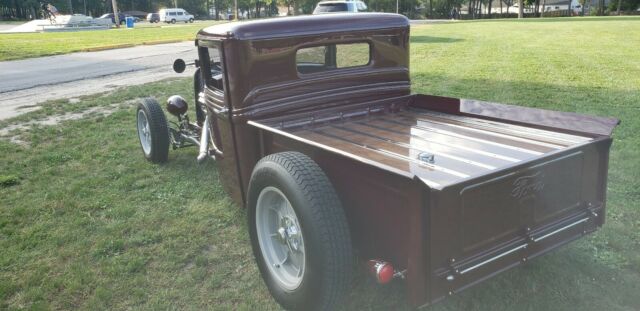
(235, 15)
(116, 17)
(397, 6)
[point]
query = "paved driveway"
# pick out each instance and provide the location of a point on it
(24, 83)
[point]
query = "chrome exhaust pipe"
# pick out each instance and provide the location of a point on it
(204, 141)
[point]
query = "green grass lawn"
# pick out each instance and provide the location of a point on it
(87, 223)
(25, 45)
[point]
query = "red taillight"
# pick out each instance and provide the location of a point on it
(382, 270)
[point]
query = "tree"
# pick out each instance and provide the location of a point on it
(520, 8)
(508, 3)
(618, 9)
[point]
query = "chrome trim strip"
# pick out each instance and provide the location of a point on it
(493, 258)
(561, 229)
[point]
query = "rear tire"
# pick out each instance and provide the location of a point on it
(291, 196)
(191, 20)
(153, 131)
(173, 21)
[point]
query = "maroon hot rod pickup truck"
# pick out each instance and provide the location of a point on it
(316, 133)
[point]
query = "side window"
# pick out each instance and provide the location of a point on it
(214, 80)
(179, 13)
(334, 56)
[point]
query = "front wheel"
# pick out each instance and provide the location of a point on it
(299, 233)
(191, 20)
(153, 131)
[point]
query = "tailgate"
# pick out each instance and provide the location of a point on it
(488, 224)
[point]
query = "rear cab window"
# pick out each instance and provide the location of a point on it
(333, 56)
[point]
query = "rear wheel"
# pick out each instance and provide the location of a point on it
(173, 21)
(299, 233)
(191, 20)
(153, 131)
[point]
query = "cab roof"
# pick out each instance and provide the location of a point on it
(303, 25)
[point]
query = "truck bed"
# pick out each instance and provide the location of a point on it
(461, 147)
(454, 191)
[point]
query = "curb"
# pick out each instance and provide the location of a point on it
(163, 41)
(108, 47)
(128, 45)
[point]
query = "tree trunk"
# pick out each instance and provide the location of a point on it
(601, 7)
(569, 10)
(70, 7)
(431, 9)
(584, 4)
(536, 8)
(618, 9)
(489, 8)
(544, 3)
(500, 8)
(472, 9)
(520, 8)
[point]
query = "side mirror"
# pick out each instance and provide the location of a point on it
(179, 65)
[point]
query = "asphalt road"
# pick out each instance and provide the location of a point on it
(25, 83)
(5, 27)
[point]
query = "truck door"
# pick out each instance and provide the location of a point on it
(214, 97)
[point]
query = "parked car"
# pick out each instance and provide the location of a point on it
(175, 15)
(153, 18)
(110, 16)
(337, 6)
(316, 133)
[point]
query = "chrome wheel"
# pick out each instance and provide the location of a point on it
(144, 132)
(280, 238)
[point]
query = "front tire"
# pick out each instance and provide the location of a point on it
(153, 131)
(299, 233)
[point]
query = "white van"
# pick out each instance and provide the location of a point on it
(175, 15)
